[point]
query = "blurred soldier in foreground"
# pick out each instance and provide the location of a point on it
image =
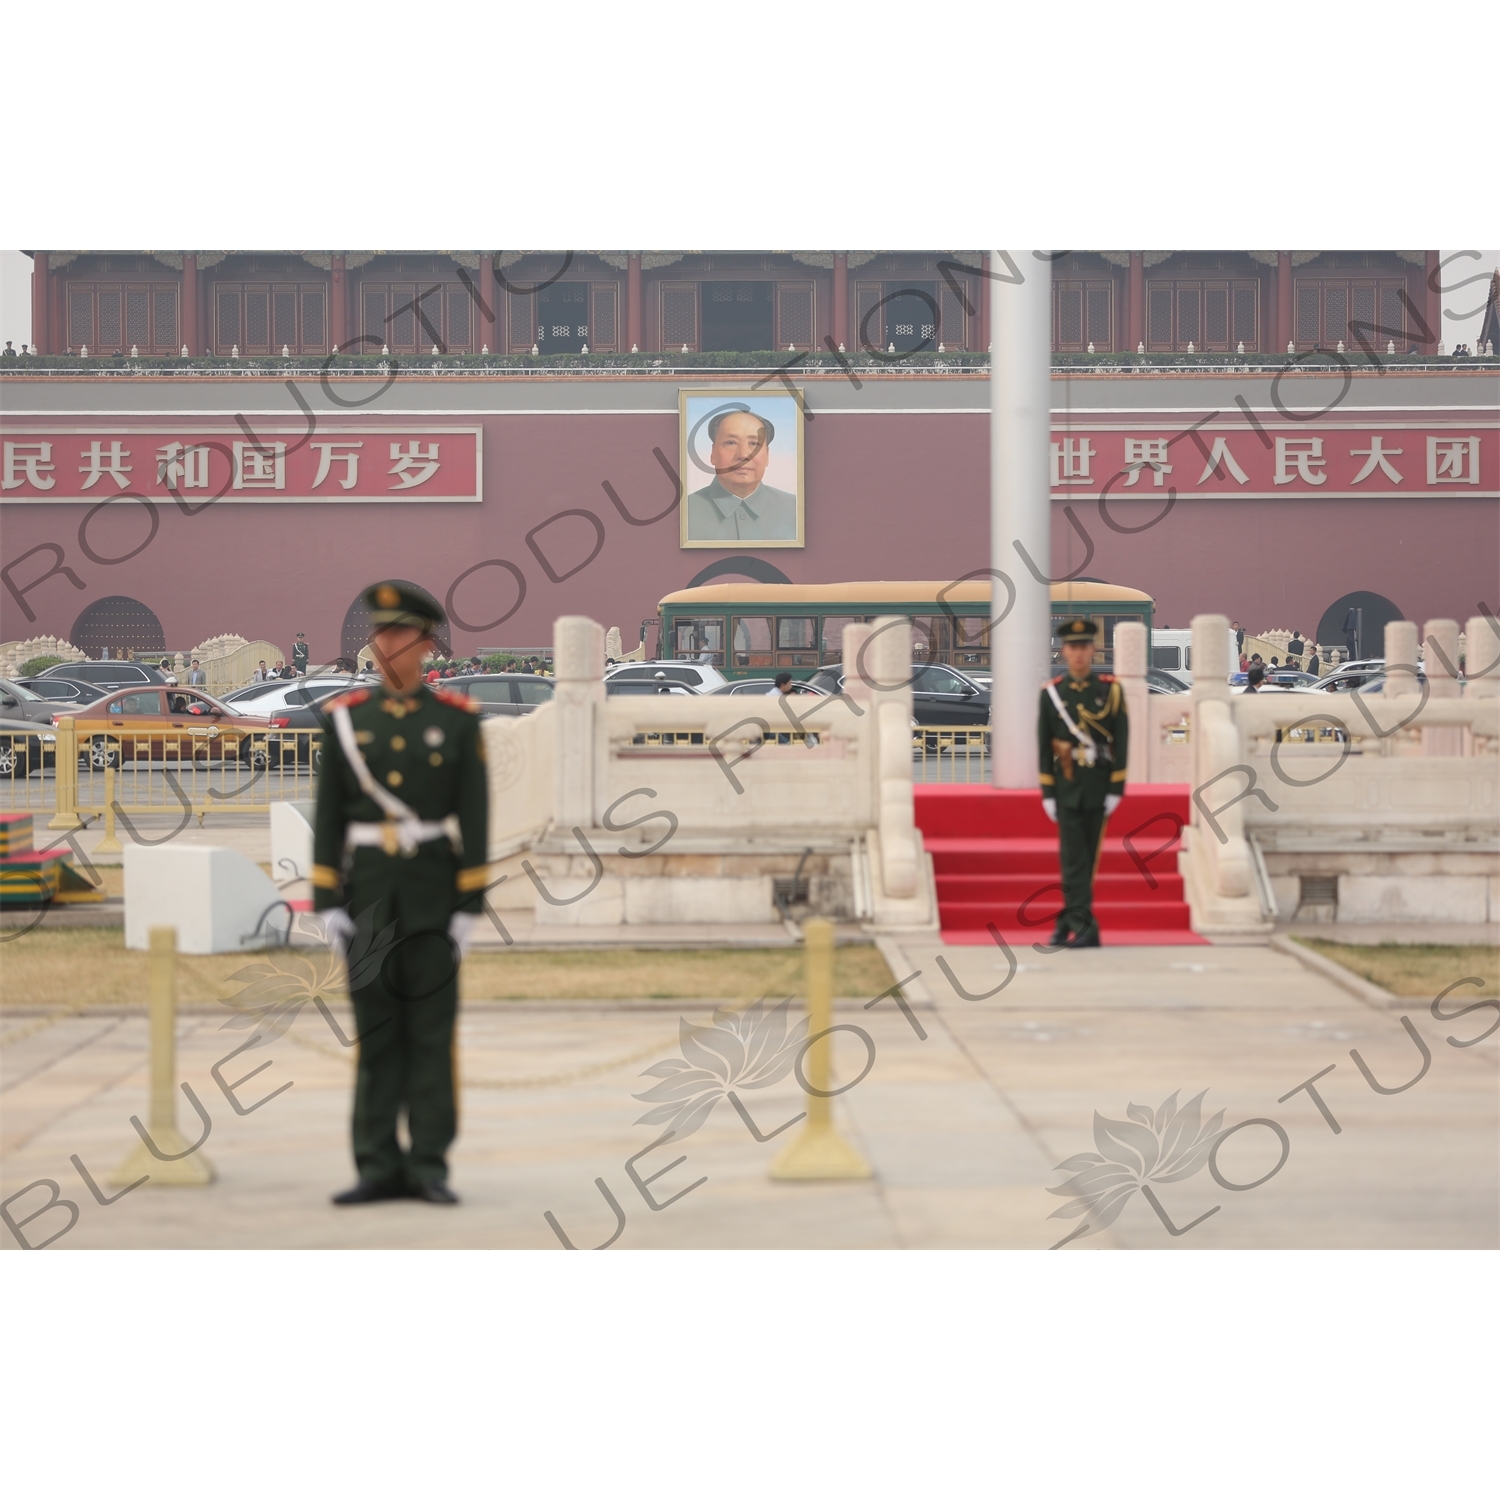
(1082, 742)
(398, 878)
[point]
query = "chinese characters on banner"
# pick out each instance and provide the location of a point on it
(1232, 458)
(199, 464)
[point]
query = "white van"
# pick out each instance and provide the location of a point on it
(1172, 652)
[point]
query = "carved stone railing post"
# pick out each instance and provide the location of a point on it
(578, 651)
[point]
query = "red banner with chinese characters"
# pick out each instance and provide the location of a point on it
(226, 464)
(1250, 457)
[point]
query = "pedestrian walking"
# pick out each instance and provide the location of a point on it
(260, 674)
(1083, 739)
(197, 677)
(399, 844)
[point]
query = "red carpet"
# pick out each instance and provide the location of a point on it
(995, 857)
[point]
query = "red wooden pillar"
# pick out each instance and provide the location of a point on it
(840, 298)
(1135, 300)
(338, 306)
(1432, 303)
(41, 303)
(190, 301)
(489, 296)
(1283, 301)
(633, 300)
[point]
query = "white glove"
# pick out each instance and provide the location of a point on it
(1111, 802)
(461, 930)
(337, 928)
(1049, 806)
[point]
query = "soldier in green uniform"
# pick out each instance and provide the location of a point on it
(399, 845)
(1083, 738)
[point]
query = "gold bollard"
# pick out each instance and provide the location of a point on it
(819, 1153)
(190, 1171)
(109, 844)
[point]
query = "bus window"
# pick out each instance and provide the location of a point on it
(929, 638)
(695, 639)
(752, 641)
(797, 641)
(971, 640)
(1168, 658)
(833, 636)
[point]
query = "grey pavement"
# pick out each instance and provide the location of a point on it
(964, 1129)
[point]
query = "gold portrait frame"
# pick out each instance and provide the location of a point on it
(752, 397)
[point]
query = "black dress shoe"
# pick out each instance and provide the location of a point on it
(372, 1190)
(1089, 939)
(1061, 934)
(433, 1192)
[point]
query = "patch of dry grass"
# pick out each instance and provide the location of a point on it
(91, 966)
(1418, 970)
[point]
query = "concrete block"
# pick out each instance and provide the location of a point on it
(291, 840)
(1427, 898)
(665, 900)
(213, 897)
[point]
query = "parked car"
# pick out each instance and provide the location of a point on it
(106, 674)
(63, 689)
(1159, 681)
(509, 694)
(701, 676)
(17, 702)
(763, 687)
(26, 748)
(169, 724)
(635, 689)
(289, 692)
(1352, 675)
(939, 694)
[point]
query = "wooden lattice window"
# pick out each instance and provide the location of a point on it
(410, 317)
(953, 321)
(1215, 315)
(679, 315)
(1081, 315)
(869, 320)
(267, 318)
(604, 318)
(112, 319)
(794, 314)
(521, 321)
(1358, 312)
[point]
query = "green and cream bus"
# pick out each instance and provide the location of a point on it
(753, 629)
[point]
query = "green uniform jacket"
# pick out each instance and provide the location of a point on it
(427, 748)
(1097, 707)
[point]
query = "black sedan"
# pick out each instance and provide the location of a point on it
(63, 691)
(108, 674)
(939, 695)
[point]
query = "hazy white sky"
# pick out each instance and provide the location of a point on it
(1464, 284)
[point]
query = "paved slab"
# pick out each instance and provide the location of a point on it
(964, 1113)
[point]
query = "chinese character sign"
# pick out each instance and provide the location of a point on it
(269, 464)
(1268, 458)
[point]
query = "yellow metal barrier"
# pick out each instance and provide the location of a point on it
(951, 753)
(101, 770)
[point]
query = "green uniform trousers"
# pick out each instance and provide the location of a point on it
(1080, 835)
(405, 1014)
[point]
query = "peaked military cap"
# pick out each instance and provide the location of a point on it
(393, 603)
(1079, 629)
